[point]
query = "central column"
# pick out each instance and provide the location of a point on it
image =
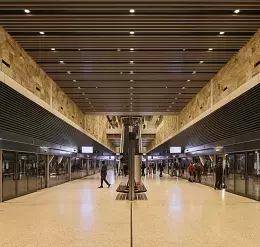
(131, 155)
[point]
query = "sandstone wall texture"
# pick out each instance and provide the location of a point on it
(240, 69)
(18, 65)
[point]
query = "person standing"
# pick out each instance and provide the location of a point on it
(143, 168)
(161, 168)
(191, 172)
(219, 173)
(103, 172)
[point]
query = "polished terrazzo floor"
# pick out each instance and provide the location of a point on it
(176, 213)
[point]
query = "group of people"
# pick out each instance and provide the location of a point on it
(196, 171)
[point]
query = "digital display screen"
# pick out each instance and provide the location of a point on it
(175, 150)
(87, 150)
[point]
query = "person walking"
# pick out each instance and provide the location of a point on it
(103, 172)
(161, 168)
(143, 168)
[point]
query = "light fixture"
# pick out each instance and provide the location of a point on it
(83, 93)
(131, 98)
(92, 106)
(193, 72)
(94, 110)
(131, 103)
(131, 72)
(121, 72)
(132, 32)
(79, 87)
(166, 87)
(157, 106)
(170, 106)
(131, 110)
(42, 33)
(61, 61)
(131, 106)
(68, 72)
(124, 106)
(167, 110)
(184, 49)
(237, 11)
(183, 88)
(53, 49)
(131, 80)
(131, 88)
(79, 49)
(221, 33)
(131, 62)
(173, 103)
(89, 103)
(201, 61)
(188, 80)
(132, 11)
(74, 80)
(86, 98)
(176, 98)
(131, 93)
(27, 11)
(96, 87)
(132, 49)
(118, 49)
(210, 49)
(179, 93)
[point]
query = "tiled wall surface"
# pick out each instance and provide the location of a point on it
(18, 65)
(239, 70)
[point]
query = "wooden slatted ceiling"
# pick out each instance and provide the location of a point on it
(93, 40)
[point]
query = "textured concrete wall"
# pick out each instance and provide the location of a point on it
(22, 69)
(239, 70)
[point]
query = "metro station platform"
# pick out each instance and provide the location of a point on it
(177, 213)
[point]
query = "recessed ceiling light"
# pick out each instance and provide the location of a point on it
(183, 88)
(184, 49)
(68, 72)
(74, 80)
(131, 110)
(131, 62)
(176, 98)
(157, 106)
(188, 80)
(83, 93)
(131, 103)
(170, 106)
(167, 110)
(166, 87)
(131, 98)
(132, 49)
(92, 106)
(89, 103)
(131, 80)
(27, 11)
(179, 93)
(131, 88)
(237, 11)
(42, 33)
(131, 93)
(131, 72)
(94, 110)
(86, 98)
(221, 33)
(53, 49)
(132, 32)
(96, 87)
(79, 87)
(201, 61)
(172, 102)
(131, 106)
(210, 49)
(79, 49)
(61, 61)
(118, 49)
(121, 72)
(194, 72)
(132, 11)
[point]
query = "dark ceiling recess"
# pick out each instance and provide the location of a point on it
(25, 121)
(92, 40)
(236, 122)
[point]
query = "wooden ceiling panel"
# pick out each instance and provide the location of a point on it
(92, 58)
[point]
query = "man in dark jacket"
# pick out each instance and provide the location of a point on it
(219, 173)
(143, 166)
(161, 168)
(103, 172)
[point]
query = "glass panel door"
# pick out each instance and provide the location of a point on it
(42, 165)
(22, 181)
(230, 172)
(32, 172)
(240, 174)
(253, 172)
(9, 175)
